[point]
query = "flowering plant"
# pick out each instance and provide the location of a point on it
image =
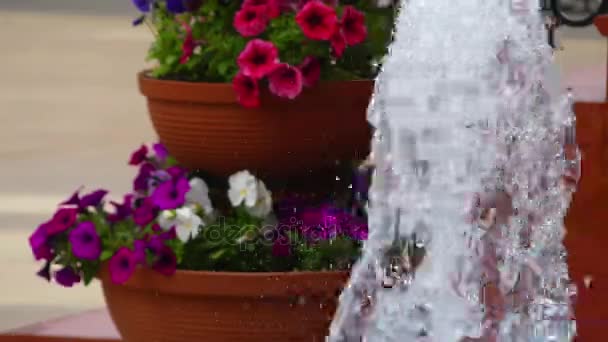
(173, 220)
(290, 44)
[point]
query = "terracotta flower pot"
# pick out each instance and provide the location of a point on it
(218, 306)
(204, 126)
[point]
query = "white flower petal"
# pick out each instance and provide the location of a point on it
(240, 179)
(188, 223)
(263, 205)
(199, 193)
(166, 219)
(235, 197)
(182, 232)
(251, 197)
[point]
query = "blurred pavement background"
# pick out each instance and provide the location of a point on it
(70, 114)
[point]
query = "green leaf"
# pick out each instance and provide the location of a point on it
(217, 254)
(105, 255)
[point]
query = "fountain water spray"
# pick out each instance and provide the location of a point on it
(466, 114)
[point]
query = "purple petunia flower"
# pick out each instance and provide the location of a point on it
(85, 241)
(165, 261)
(170, 234)
(145, 213)
(92, 199)
(139, 20)
(157, 177)
(177, 172)
(39, 242)
(123, 210)
(322, 223)
(171, 195)
(63, 219)
(74, 199)
(176, 6)
(67, 277)
(142, 5)
(139, 156)
(356, 229)
(122, 265)
(139, 249)
(160, 152)
(281, 247)
(45, 271)
(141, 181)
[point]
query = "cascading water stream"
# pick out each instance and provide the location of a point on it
(463, 112)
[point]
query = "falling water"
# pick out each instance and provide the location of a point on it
(467, 115)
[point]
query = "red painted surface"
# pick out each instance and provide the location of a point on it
(587, 238)
(587, 221)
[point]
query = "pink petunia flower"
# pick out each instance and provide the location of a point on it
(338, 44)
(258, 59)
(247, 90)
(188, 45)
(317, 20)
(286, 81)
(272, 7)
(353, 26)
(251, 21)
(311, 71)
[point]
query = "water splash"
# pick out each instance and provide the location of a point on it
(466, 119)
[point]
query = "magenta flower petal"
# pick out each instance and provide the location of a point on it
(160, 152)
(139, 248)
(170, 234)
(311, 71)
(247, 90)
(122, 265)
(67, 277)
(258, 59)
(281, 247)
(171, 195)
(139, 156)
(177, 172)
(145, 213)
(39, 242)
(122, 210)
(166, 261)
(251, 21)
(142, 179)
(85, 241)
(285, 81)
(317, 20)
(63, 219)
(93, 199)
(73, 200)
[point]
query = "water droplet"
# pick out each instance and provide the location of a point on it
(337, 178)
(350, 186)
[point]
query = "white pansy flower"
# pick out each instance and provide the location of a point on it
(185, 220)
(166, 219)
(243, 189)
(263, 204)
(187, 223)
(199, 195)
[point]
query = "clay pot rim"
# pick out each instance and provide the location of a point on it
(235, 284)
(223, 93)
